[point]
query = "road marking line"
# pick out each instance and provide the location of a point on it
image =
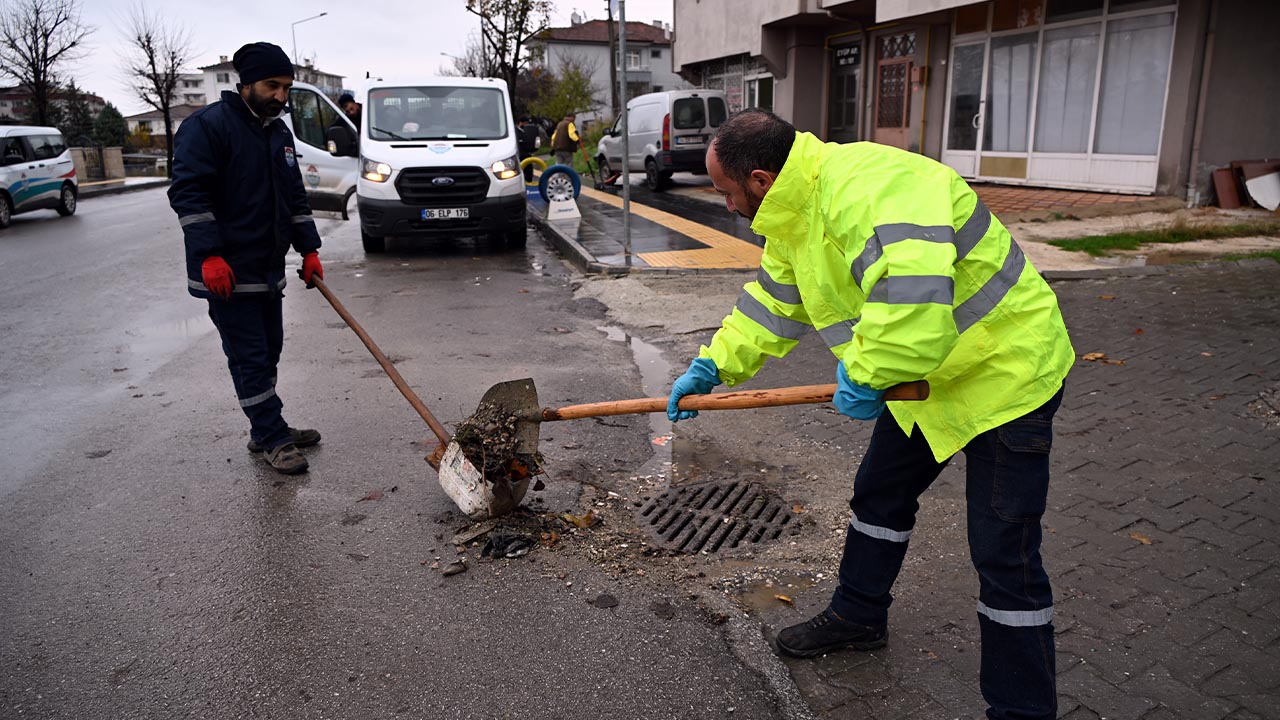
(724, 251)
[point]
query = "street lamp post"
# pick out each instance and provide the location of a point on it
(292, 29)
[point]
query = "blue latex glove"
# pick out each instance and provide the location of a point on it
(855, 400)
(699, 379)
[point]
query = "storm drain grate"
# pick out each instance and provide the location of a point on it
(710, 517)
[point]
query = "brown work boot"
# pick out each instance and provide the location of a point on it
(300, 438)
(286, 459)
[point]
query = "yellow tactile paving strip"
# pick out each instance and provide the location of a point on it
(724, 252)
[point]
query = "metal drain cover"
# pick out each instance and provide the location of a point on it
(710, 517)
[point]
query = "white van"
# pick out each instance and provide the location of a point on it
(330, 181)
(438, 157)
(667, 132)
(36, 172)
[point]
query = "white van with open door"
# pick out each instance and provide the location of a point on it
(438, 157)
(330, 181)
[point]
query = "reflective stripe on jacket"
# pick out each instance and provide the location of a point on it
(239, 195)
(905, 274)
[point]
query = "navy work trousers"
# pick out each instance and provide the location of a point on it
(252, 330)
(1007, 485)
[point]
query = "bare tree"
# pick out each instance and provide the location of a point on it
(38, 37)
(153, 63)
(472, 62)
(505, 27)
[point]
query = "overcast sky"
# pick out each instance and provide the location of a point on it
(390, 37)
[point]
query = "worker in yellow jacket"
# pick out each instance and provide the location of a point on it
(905, 275)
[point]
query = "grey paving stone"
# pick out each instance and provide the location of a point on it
(1099, 696)
(1180, 699)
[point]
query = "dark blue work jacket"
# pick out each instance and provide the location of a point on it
(239, 195)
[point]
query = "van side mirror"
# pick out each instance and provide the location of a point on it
(342, 142)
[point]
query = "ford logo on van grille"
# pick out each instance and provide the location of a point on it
(442, 181)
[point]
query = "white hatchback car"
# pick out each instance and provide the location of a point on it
(36, 172)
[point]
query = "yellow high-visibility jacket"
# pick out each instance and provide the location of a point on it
(905, 274)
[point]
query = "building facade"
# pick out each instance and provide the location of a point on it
(1135, 96)
(586, 44)
(15, 104)
(209, 83)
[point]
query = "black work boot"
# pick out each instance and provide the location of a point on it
(286, 459)
(300, 438)
(827, 632)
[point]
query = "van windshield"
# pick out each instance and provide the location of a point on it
(436, 113)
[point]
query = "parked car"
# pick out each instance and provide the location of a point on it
(330, 181)
(36, 172)
(667, 132)
(438, 157)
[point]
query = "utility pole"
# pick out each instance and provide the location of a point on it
(613, 58)
(294, 31)
(626, 146)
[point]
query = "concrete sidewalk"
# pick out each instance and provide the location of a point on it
(128, 184)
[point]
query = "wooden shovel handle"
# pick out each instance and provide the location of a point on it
(739, 400)
(382, 359)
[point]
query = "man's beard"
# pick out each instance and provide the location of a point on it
(753, 205)
(264, 106)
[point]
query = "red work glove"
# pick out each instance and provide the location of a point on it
(311, 268)
(217, 276)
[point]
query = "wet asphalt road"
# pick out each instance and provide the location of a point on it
(151, 568)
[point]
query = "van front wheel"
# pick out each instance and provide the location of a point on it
(373, 243)
(67, 201)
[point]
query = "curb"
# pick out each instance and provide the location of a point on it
(96, 191)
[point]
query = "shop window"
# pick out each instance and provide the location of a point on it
(1068, 66)
(1014, 14)
(971, 19)
(1131, 101)
(1059, 10)
(1127, 5)
(1009, 92)
(760, 93)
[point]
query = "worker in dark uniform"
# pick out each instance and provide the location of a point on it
(241, 203)
(527, 142)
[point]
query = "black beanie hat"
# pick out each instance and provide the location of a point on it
(261, 60)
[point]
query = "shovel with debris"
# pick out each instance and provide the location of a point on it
(505, 428)
(488, 490)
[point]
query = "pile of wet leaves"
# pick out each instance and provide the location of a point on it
(488, 440)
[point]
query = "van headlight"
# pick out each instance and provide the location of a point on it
(374, 171)
(506, 169)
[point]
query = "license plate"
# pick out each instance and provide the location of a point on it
(690, 140)
(446, 213)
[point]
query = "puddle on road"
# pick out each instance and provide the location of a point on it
(655, 381)
(763, 595)
(157, 339)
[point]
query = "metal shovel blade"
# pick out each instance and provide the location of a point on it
(519, 399)
(474, 494)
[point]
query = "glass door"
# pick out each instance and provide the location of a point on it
(1006, 121)
(964, 107)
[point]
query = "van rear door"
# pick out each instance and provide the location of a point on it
(689, 126)
(326, 177)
